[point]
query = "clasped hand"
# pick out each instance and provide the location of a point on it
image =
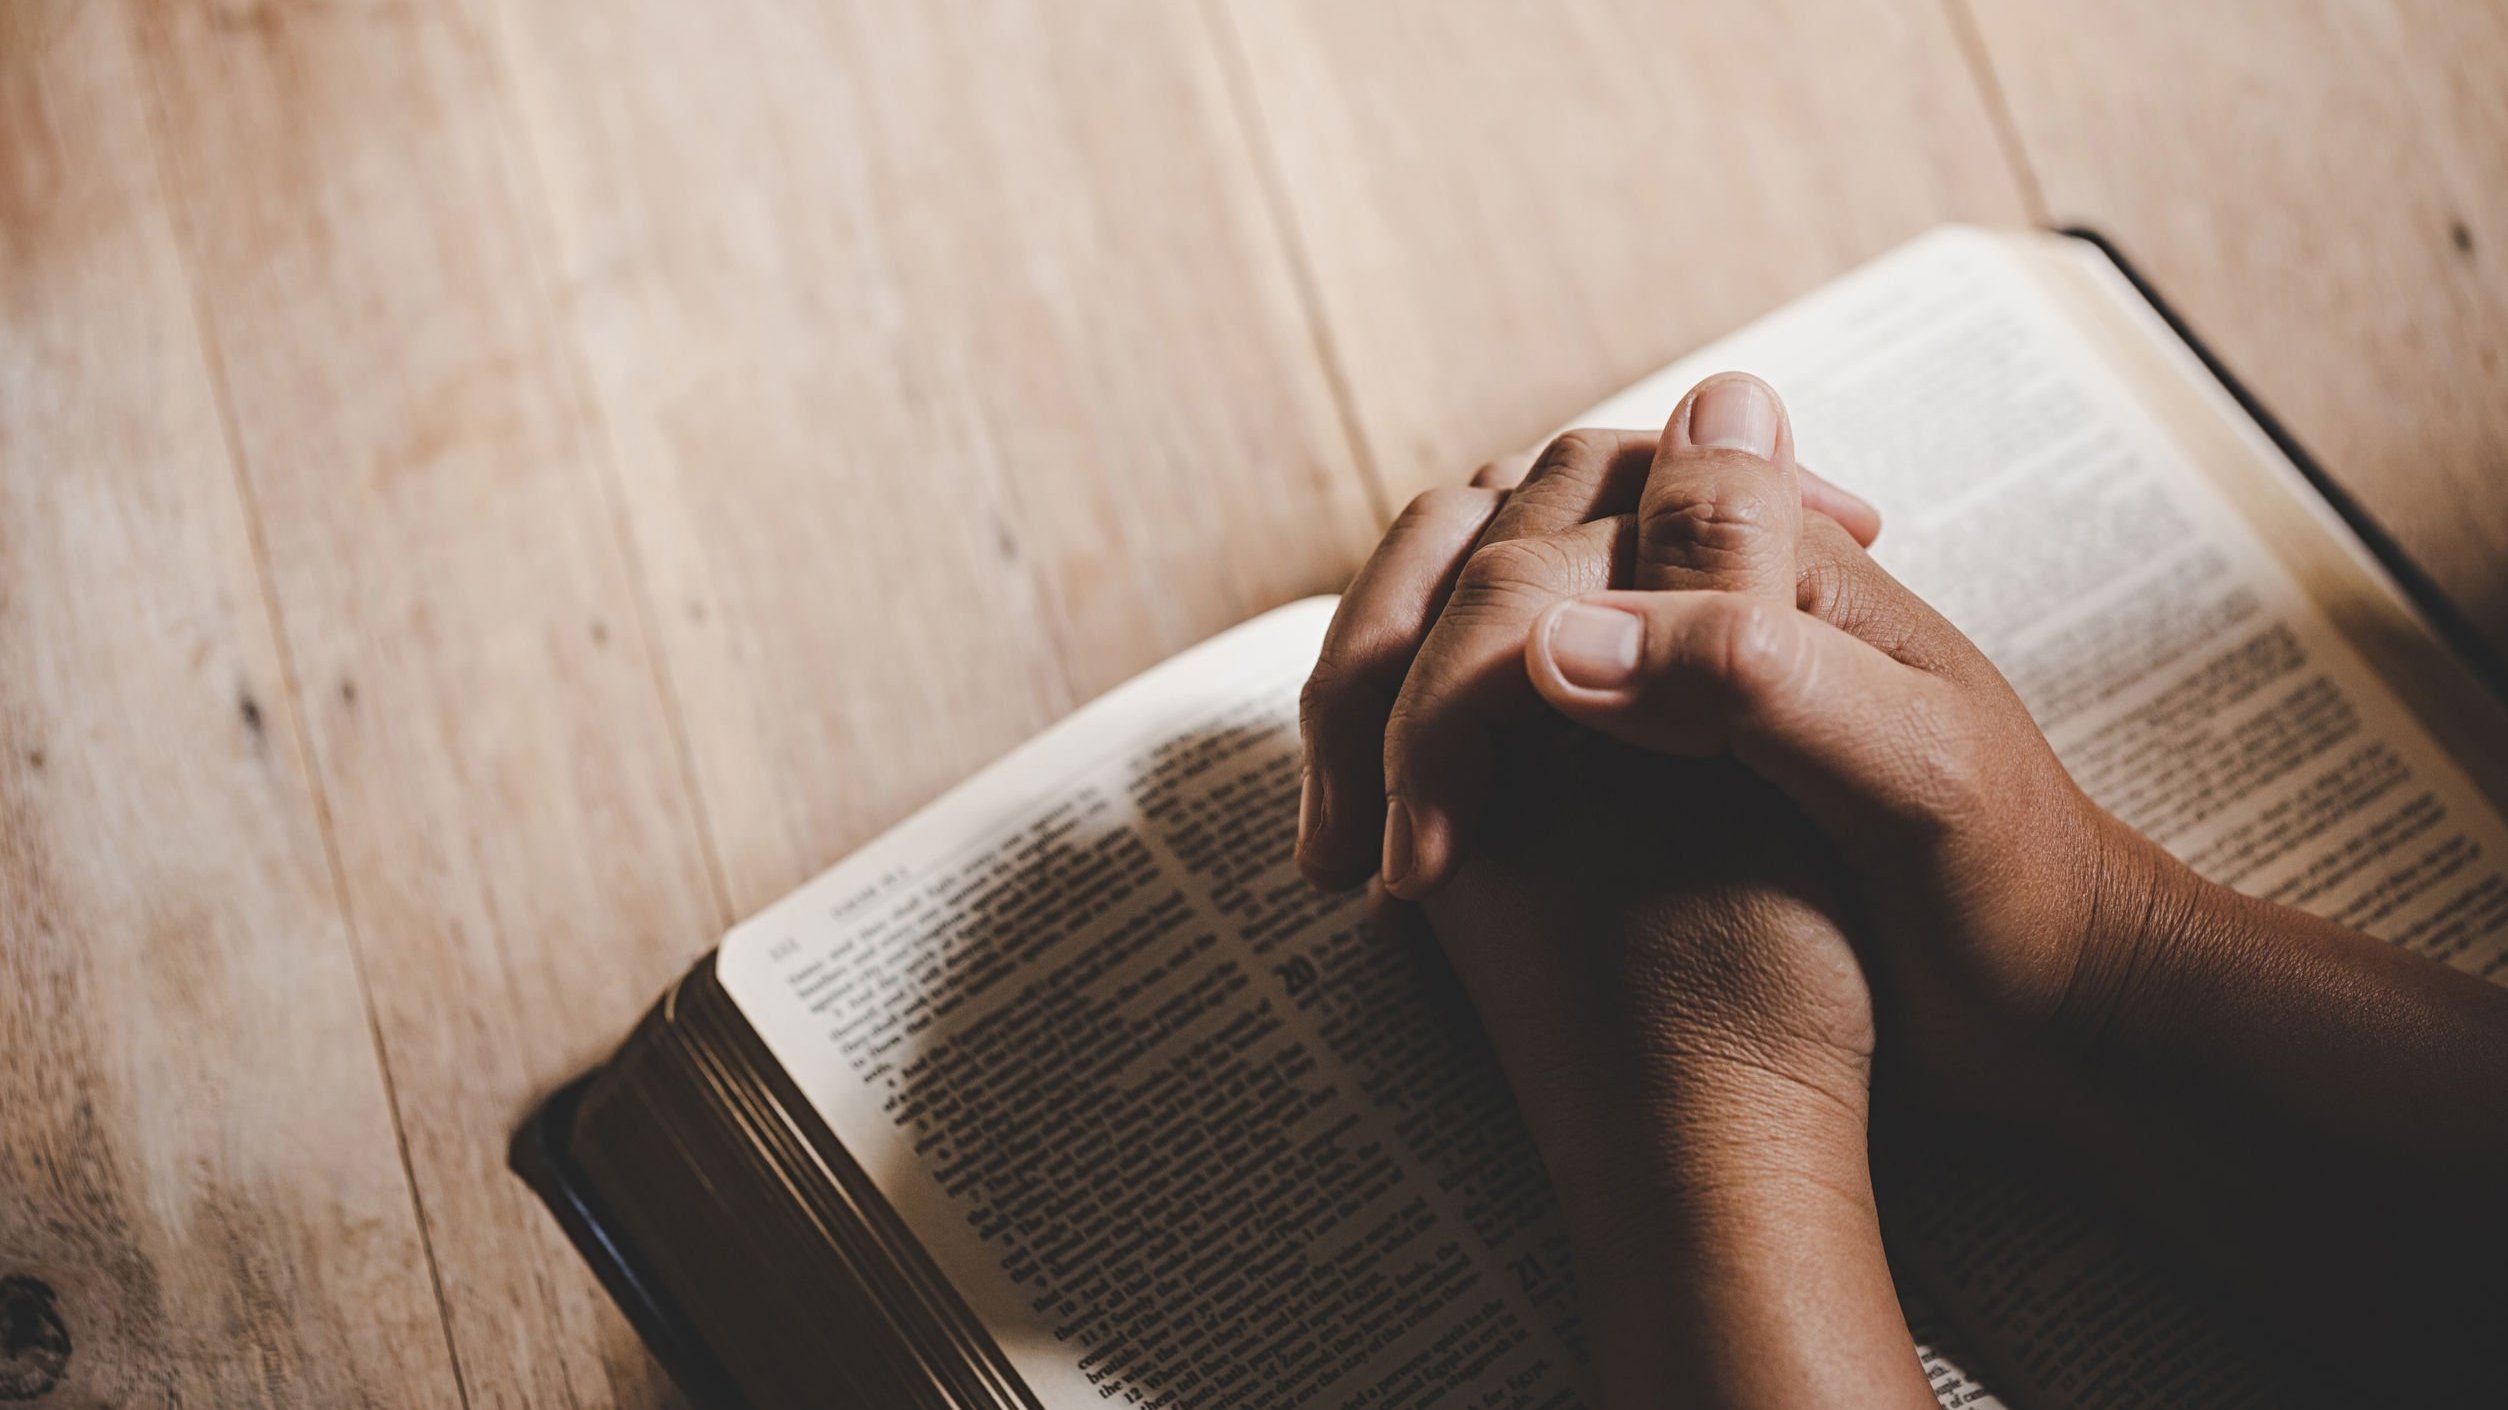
(1708, 810)
(1551, 678)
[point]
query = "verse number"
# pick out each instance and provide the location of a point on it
(784, 949)
(1297, 974)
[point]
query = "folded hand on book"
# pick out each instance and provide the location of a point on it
(1688, 1031)
(1783, 751)
(2000, 899)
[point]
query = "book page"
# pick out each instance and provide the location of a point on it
(2061, 478)
(1179, 1129)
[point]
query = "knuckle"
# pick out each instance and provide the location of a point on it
(1319, 695)
(1578, 446)
(1517, 567)
(1950, 759)
(1856, 595)
(1341, 683)
(1579, 455)
(1502, 472)
(1829, 583)
(1414, 721)
(1750, 651)
(1443, 504)
(1718, 524)
(1848, 597)
(1403, 723)
(1827, 591)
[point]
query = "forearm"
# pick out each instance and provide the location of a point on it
(2317, 1116)
(2294, 1027)
(1754, 1276)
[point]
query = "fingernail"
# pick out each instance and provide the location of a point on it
(1735, 413)
(1310, 809)
(1397, 842)
(1593, 648)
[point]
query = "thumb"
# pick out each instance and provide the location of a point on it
(1722, 508)
(1853, 736)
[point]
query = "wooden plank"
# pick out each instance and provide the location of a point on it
(2319, 188)
(955, 369)
(516, 845)
(201, 1197)
(1511, 211)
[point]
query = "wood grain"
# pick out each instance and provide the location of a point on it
(1511, 211)
(955, 372)
(201, 1198)
(2319, 188)
(489, 491)
(517, 849)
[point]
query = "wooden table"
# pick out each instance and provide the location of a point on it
(489, 492)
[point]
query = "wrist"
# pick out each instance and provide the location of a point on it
(1716, 1120)
(2147, 913)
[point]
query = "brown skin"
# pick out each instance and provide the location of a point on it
(1675, 1002)
(2246, 1069)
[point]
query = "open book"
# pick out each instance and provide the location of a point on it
(1068, 1091)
